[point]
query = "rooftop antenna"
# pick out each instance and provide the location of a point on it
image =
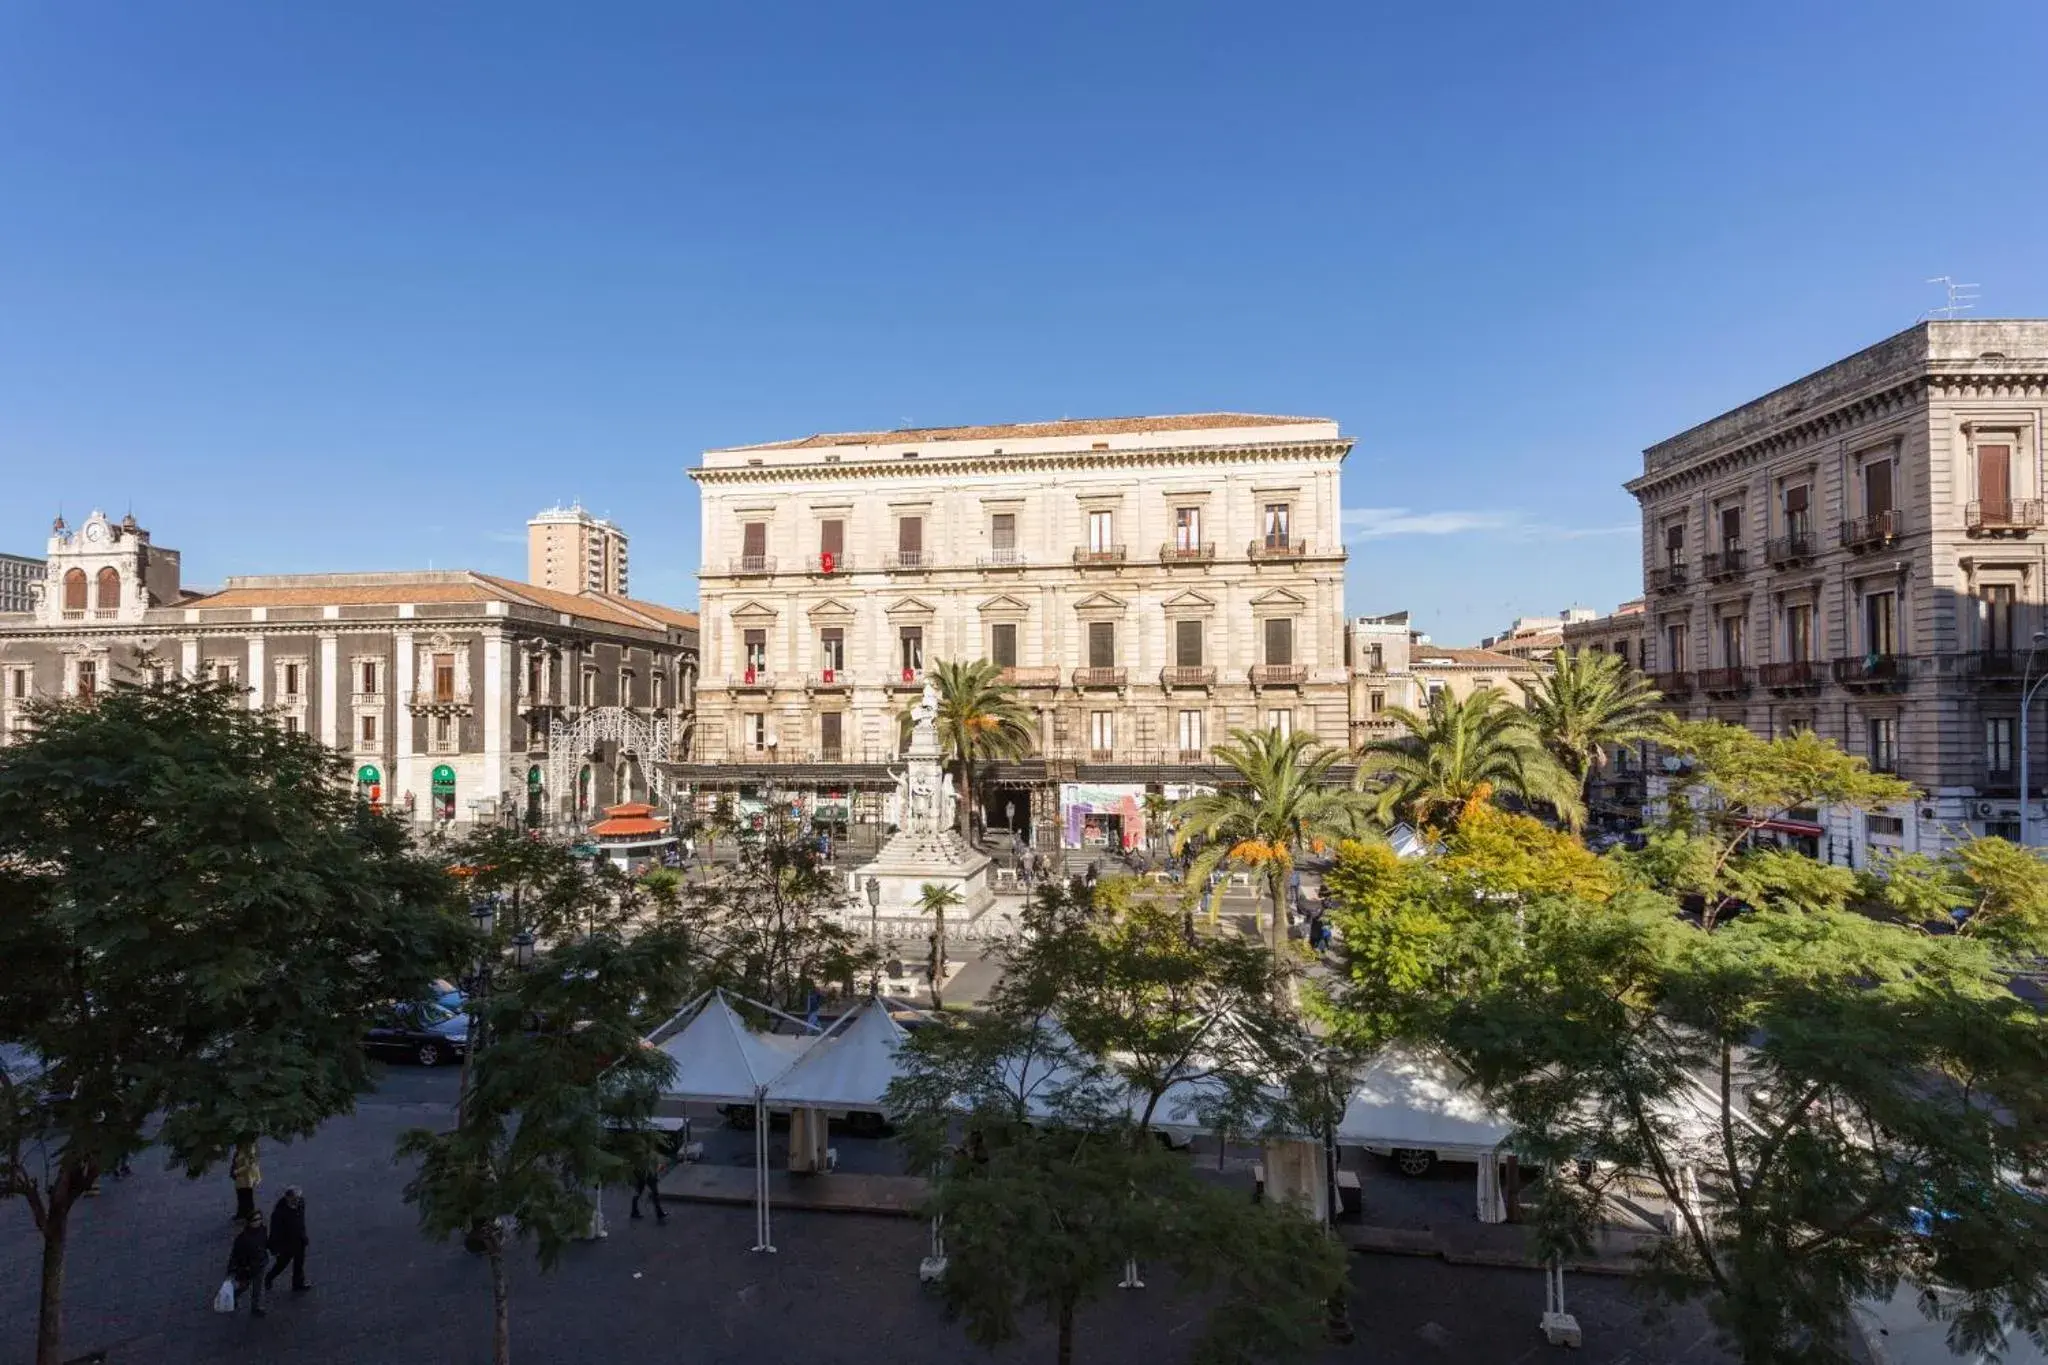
(1961, 298)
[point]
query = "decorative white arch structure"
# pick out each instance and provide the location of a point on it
(646, 738)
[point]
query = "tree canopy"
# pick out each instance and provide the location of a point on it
(1457, 753)
(1586, 704)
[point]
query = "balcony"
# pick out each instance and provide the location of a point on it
(1725, 682)
(1669, 578)
(752, 680)
(904, 678)
(1099, 677)
(1795, 547)
(1187, 676)
(1031, 677)
(1726, 563)
(1190, 755)
(1102, 755)
(908, 561)
(1792, 676)
(830, 680)
(1273, 547)
(1001, 559)
(751, 566)
(1106, 554)
(1187, 554)
(433, 700)
(830, 562)
(1674, 684)
(1997, 667)
(1874, 532)
(1279, 675)
(1872, 672)
(2008, 517)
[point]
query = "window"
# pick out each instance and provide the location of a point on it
(107, 592)
(754, 545)
(1102, 731)
(832, 539)
(1995, 618)
(536, 675)
(1190, 732)
(1187, 529)
(88, 678)
(832, 650)
(291, 723)
(625, 687)
(757, 730)
(755, 651)
(1674, 543)
(1378, 658)
(1731, 641)
(1280, 641)
(17, 686)
(657, 681)
(1376, 702)
(1994, 481)
(225, 670)
(1002, 644)
(1102, 644)
(1187, 644)
(444, 678)
(1884, 743)
(1002, 535)
(1731, 528)
(831, 727)
(290, 686)
(1887, 826)
(589, 692)
(74, 590)
(1674, 648)
(369, 728)
(910, 541)
(910, 650)
(1799, 633)
(1281, 721)
(1879, 624)
(1101, 532)
(444, 731)
(369, 678)
(1275, 525)
(1998, 745)
(1877, 488)
(1798, 511)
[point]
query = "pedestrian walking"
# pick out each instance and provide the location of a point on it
(248, 1176)
(288, 1240)
(647, 1180)
(246, 1259)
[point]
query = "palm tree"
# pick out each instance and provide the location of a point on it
(1458, 752)
(1589, 703)
(980, 719)
(935, 898)
(1281, 804)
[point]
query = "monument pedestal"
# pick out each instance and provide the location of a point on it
(928, 850)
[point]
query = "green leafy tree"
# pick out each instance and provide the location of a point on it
(560, 1089)
(768, 930)
(1588, 703)
(980, 720)
(935, 899)
(1280, 804)
(197, 921)
(1460, 753)
(1987, 888)
(1832, 1103)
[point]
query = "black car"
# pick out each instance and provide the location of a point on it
(426, 1032)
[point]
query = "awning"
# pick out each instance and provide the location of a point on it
(1799, 828)
(1412, 1098)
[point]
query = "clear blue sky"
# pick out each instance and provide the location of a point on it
(324, 287)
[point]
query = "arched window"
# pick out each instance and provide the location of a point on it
(74, 590)
(107, 597)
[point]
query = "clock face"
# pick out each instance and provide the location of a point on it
(96, 531)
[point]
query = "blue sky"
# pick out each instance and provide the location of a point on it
(324, 287)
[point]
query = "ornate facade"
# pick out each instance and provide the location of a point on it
(449, 691)
(1861, 553)
(1148, 584)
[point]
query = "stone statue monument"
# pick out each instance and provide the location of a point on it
(926, 847)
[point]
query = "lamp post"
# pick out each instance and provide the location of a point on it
(2026, 709)
(874, 890)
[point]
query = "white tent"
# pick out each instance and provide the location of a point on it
(719, 1060)
(849, 1066)
(1412, 1098)
(1897, 1333)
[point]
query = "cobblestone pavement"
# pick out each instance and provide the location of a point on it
(148, 1254)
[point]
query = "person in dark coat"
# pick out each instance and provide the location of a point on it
(246, 1261)
(647, 1181)
(288, 1241)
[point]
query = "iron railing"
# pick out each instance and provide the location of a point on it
(1873, 532)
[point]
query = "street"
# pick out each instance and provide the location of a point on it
(147, 1255)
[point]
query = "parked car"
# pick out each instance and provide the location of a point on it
(423, 1031)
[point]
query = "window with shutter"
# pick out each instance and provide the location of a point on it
(1276, 519)
(444, 677)
(1797, 510)
(1731, 528)
(832, 648)
(108, 594)
(1877, 488)
(755, 643)
(1880, 624)
(1101, 532)
(1994, 482)
(910, 540)
(832, 537)
(1280, 641)
(1102, 644)
(74, 590)
(754, 540)
(1002, 532)
(1995, 617)
(1002, 644)
(830, 733)
(1674, 543)
(911, 646)
(1187, 529)
(1187, 644)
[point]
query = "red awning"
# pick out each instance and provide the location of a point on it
(1797, 827)
(629, 827)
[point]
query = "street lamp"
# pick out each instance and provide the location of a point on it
(2026, 708)
(874, 890)
(483, 914)
(522, 950)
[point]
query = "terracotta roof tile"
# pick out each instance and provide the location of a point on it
(343, 595)
(1023, 431)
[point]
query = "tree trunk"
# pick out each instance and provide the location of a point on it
(56, 1229)
(939, 958)
(1066, 1348)
(501, 1308)
(967, 798)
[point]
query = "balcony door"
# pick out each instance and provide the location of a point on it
(1187, 529)
(1731, 642)
(910, 541)
(1101, 532)
(1799, 511)
(1994, 484)
(1280, 642)
(1799, 633)
(1731, 529)
(1995, 611)
(1187, 645)
(1674, 544)
(1102, 644)
(1880, 624)
(1877, 488)
(910, 650)
(830, 733)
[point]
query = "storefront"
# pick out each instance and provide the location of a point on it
(1110, 816)
(443, 793)
(535, 795)
(370, 786)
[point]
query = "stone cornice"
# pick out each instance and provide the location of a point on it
(811, 471)
(160, 629)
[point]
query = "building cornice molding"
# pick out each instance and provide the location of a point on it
(1887, 402)
(482, 626)
(1027, 463)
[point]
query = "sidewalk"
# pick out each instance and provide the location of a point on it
(838, 1192)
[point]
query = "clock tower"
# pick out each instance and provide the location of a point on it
(105, 571)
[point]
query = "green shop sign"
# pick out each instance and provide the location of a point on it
(368, 775)
(444, 778)
(533, 776)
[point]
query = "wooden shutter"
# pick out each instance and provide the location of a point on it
(1674, 540)
(829, 732)
(74, 590)
(1877, 488)
(1280, 641)
(108, 596)
(1102, 644)
(755, 540)
(1187, 644)
(832, 537)
(1002, 531)
(1795, 502)
(1994, 480)
(910, 535)
(1003, 644)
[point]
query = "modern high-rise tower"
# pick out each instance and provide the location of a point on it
(569, 550)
